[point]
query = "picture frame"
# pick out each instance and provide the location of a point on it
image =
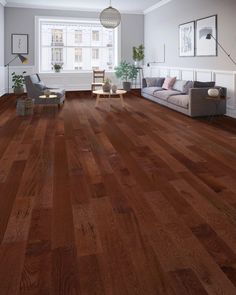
(205, 26)
(187, 39)
(19, 43)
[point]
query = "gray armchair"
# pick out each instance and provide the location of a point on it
(35, 88)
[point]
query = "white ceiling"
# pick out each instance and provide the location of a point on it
(132, 6)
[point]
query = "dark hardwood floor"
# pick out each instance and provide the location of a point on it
(140, 200)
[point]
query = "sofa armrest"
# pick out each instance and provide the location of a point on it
(144, 83)
(199, 105)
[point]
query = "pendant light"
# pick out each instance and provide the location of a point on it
(110, 17)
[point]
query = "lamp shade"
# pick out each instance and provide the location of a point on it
(23, 59)
(110, 18)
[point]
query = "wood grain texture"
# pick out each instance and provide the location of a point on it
(116, 201)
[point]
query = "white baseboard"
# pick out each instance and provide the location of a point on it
(231, 111)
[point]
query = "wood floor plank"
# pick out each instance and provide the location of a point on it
(116, 201)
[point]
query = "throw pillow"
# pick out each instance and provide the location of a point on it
(154, 81)
(160, 81)
(179, 85)
(188, 86)
(151, 82)
(40, 86)
(198, 84)
(168, 83)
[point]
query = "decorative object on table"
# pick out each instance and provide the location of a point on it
(114, 88)
(138, 55)
(24, 107)
(18, 81)
(106, 87)
(47, 93)
(110, 17)
(204, 27)
(213, 92)
(19, 44)
(57, 67)
(187, 39)
(210, 36)
(23, 59)
(126, 72)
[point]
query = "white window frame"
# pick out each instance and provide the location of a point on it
(39, 19)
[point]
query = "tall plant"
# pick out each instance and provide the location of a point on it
(125, 71)
(138, 53)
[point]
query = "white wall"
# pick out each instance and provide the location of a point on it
(22, 20)
(2, 71)
(161, 27)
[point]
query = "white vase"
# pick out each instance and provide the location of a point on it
(213, 92)
(114, 88)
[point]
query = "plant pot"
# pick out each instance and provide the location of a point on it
(126, 86)
(18, 90)
(57, 70)
(106, 87)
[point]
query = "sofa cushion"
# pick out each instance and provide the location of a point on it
(59, 92)
(169, 82)
(198, 84)
(151, 90)
(40, 86)
(181, 100)
(188, 86)
(34, 78)
(154, 81)
(179, 85)
(165, 94)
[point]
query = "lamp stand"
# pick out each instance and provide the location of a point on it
(209, 36)
(8, 73)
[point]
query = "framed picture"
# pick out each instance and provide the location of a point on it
(20, 44)
(187, 39)
(205, 26)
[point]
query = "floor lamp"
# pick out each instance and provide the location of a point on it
(23, 59)
(209, 36)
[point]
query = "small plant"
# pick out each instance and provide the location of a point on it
(18, 81)
(138, 53)
(107, 81)
(57, 67)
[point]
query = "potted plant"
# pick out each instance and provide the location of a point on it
(18, 82)
(57, 67)
(138, 55)
(126, 72)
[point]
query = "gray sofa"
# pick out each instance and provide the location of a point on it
(35, 88)
(184, 97)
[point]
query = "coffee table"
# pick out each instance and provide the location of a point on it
(108, 95)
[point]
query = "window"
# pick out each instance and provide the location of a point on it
(78, 45)
(78, 55)
(95, 36)
(57, 37)
(95, 53)
(57, 55)
(78, 36)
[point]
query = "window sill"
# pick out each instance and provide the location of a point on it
(71, 73)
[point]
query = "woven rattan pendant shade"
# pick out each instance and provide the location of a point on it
(110, 17)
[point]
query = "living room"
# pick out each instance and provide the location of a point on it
(125, 185)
